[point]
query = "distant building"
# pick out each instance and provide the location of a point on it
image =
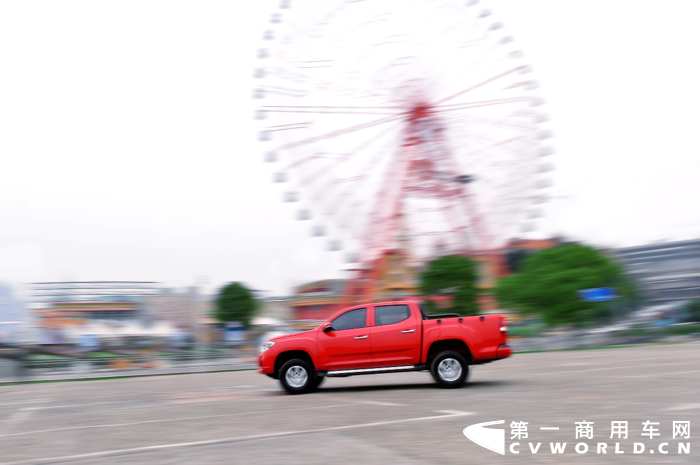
(664, 272)
(12, 316)
(77, 303)
(397, 277)
(505, 262)
(182, 308)
(276, 308)
(66, 304)
(317, 300)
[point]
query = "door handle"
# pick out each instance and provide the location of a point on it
(361, 337)
(409, 331)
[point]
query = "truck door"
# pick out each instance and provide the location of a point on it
(347, 345)
(395, 335)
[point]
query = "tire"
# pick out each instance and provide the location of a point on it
(318, 381)
(449, 369)
(297, 377)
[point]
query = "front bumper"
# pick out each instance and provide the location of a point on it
(266, 363)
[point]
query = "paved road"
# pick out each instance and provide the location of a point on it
(243, 417)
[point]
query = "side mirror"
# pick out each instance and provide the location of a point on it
(327, 329)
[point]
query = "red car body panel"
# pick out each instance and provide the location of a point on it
(403, 343)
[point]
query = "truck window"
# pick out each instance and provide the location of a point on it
(390, 314)
(350, 320)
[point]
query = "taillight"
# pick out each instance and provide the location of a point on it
(503, 327)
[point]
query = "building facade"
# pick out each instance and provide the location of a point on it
(76, 303)
(317, 300)
(664, 272)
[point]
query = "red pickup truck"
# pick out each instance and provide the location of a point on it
(385, 337)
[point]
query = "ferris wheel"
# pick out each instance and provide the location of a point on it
(390, 120)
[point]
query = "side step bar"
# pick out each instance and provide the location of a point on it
(372, 371)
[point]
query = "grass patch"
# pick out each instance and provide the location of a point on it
(104, 355)
(39, 357)
(524, 331)
(575, 348)
(681, 330)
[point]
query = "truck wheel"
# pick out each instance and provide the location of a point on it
(297, 377)
(449, 369)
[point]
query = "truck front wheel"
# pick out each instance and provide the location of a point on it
(449, 369)
(297, 377)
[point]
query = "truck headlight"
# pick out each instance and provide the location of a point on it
(266, 345)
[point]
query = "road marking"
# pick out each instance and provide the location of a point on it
(37, 401)
(85, 405)
(612, 368)
(376, 402)
(662, 374)
(114, 425)
(231, 439)
(89, 405)
(643, 361)
(682, 407)
(17, 417)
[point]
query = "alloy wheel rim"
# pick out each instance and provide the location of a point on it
(296, 376)
(450, 369)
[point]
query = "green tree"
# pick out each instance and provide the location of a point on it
(515, 257)
(455, 277)
(694, 311)
(235, 303)
(549, 280)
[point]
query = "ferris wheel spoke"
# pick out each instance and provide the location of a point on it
(287, 127)
(326, 190)
(484, 142)
(485, 103)
(295, 76)
(329, 112)
(332, 162)
(341, 132)
(480, 84)
(502, 123)
(332, 110)
(494, 150)
(346, 156)
(327, 107)
(480, 60)
(303, 78)
(334, 204)
(284, 91)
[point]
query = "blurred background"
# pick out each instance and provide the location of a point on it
(141, 176)
(181, 181)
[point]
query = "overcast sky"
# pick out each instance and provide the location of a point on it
(128, 149)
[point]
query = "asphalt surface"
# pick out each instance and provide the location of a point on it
(244, 417)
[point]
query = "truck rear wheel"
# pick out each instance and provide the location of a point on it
(449, 369)
(297, 377)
